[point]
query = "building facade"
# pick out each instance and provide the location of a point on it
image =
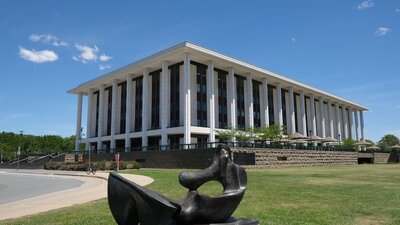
(186, 93)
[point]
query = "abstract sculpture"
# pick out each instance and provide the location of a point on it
(133, 204)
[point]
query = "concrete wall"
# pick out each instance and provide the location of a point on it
(193, 158)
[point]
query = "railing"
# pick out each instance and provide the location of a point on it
(212, 145)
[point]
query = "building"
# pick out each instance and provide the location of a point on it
(185, 93)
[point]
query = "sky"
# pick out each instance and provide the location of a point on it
(350, 48)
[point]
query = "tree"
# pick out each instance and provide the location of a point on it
(271, 132)
(387, 141)
(349, 143)
(226, 135)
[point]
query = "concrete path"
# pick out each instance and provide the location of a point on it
(92, 188)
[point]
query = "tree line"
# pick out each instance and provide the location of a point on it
(31, 144)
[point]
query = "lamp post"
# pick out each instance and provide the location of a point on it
(19, 148)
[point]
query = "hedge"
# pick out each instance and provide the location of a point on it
(103, 165)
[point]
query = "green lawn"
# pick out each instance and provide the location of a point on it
(359, 194)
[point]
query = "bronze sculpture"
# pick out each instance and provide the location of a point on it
(133, 204)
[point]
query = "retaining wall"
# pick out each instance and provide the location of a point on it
(274, 158)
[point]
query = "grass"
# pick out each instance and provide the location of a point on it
(358, 194)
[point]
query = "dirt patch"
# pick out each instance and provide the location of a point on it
(369, 221)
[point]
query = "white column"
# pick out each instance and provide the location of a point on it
(279, 104)
(338, 124)
(322, 117)
(330, 119)
(345, 123)
(211, 100)
(101, 117)
(292, 119)
(352, 136)
(187, 105)
(113, 113)
(128, 115)
(362, 125)
(89, 119)
(303, 114)
(313, 119)
(232, 99)
(265, 113)
(250, 100)
(356, 122)
(145, 106)
(164, 102)
(78, 123)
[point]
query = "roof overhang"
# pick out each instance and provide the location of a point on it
(221, 61)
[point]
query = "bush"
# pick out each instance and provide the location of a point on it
(102, 165)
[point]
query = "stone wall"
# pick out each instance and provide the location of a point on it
(381, 157)
(273, 158)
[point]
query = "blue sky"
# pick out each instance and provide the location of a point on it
(350, 48)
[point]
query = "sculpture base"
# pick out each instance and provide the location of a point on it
(231, 221)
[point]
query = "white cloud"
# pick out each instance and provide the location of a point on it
(45, 38)
(382, 31)
(104, 57)
(42, 37)
(87, 53)
(37, 56)
(104, 67)
(366, 4)
(60, 43)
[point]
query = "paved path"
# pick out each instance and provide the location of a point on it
(90, 188)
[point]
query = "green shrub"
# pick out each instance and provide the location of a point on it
(102, 165)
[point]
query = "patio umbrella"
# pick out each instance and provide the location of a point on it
(298, 136)
(373, 148)
(315, 138)
(329, 139)
(362, 142)
(395, 147)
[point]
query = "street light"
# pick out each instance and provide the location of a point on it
(19, 148)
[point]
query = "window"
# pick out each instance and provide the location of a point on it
(201, 89)
(174, 90)
(222, 99)
(109, 109)
(296, 119)
(138, 103)
(271, 114)
(256, 103)
(96, 96)
(240, 109)
(122, 120)
(155, 99)
(284, 118)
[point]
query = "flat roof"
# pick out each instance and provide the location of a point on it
(176, 51)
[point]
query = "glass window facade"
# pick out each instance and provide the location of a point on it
(296, 119)
(256, 103)
(284, 109)
(96, 96)
(122, 124)
(222, 100)
(240, 109)
(138, 103)
(174, 95)
(109, 109)
(201, 90)
(271, 107)
(155, 99)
